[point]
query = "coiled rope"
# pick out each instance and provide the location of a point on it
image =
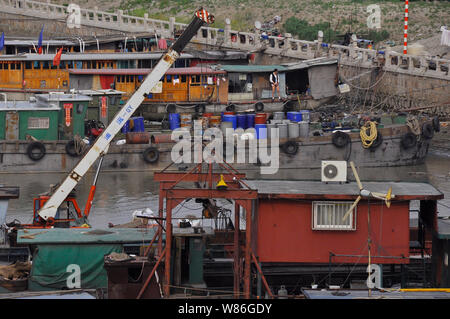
(368, 139)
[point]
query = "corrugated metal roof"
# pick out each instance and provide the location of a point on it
(27, 106)
(171, 71)
(87, 236)
(62, 97)
(350, 190)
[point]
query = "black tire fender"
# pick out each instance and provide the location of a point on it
(436, 124)
(36, 146)
(377, 141)
(231, 108)
(259, 106)
(340, 139)
(151, 155)
(290, 147)
(427, 131)
(408, 140)
(70, 149)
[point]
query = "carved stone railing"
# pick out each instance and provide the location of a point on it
(231, 39)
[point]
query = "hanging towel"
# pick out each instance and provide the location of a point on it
(445, 37)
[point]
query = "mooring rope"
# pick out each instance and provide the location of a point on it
(368, 139)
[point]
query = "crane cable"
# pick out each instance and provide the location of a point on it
(368, 139)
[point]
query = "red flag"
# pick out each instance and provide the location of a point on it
(57, 58)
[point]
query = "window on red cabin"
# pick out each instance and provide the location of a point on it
(329, 215)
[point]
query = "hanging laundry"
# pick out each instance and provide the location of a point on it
(210, 80)
(162, 44)
(445, 37)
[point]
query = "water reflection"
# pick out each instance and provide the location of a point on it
(119, 194)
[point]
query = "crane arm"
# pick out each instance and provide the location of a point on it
(99, 148)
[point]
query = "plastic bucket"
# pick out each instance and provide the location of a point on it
(224, 126)
(294, 130)
(304, 129)
(174, 121)
(269, 130)
(294, 116)
(230, 118)
(260, 118)
(185, 119)
(250, 120)
(261, 131)
(241, 121)
(278, 115)
(283, 130)
(305, 115)
(214, 121)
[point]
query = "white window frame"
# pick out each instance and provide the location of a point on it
(335, 216)
(38, 123)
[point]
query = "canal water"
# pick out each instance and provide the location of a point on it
(119, 194)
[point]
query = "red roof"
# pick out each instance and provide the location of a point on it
(171, 71)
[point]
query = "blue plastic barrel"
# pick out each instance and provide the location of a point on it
(241, 121)
(261, 131)
(126, 127)
(138, 124)
(294, 116)
(250, 120)
(230, 118)
(174, 121)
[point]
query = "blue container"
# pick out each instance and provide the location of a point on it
(138, 124)
(230, 118)
(294, 116)
(241, 121)
(250, 120)
(261, 131)
(174, 121)
(126, 128)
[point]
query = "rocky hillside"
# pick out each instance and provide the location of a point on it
(425, 17)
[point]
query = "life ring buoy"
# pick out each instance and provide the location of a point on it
(340, 139)
(70, 149)
(427, 131)
(436, 124)
(259, 106)
(33, 147)
(151, 155)
(408, 140)
(290, 147)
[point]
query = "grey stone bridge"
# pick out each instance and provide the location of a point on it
(405, 73)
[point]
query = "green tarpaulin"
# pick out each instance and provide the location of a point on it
(53, 264)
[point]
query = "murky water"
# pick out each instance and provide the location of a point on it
(120, 194)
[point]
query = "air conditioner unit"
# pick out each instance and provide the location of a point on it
(334, 171)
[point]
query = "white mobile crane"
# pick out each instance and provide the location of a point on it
(49, 210)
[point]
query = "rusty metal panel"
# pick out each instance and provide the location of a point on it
(12, 126)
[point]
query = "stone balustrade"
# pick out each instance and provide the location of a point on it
(232, 39)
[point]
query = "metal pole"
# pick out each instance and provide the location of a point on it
(151, 275)
(236, 265)
(248, 242)
(168, 246)
(405, 43)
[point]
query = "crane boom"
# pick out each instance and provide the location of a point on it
(49, 210)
